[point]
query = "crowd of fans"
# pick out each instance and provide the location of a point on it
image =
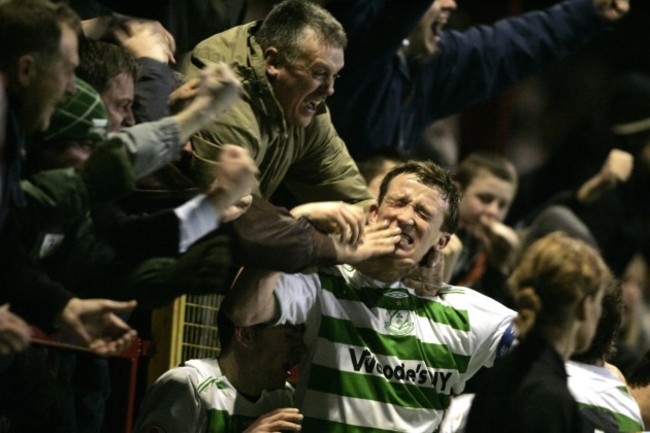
(146, 154)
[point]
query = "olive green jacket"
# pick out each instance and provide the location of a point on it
(313, 162)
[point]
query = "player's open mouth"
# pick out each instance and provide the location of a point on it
(405, 241)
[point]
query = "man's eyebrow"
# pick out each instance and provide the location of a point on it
(320, 63)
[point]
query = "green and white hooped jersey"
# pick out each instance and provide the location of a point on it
(198, 398)
(381, 358)
(603, 398)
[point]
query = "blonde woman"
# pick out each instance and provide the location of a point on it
(558, 289)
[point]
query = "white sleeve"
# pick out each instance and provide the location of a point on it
(492, 325)
(296, 295)
(173, 405)
(151, 145)
(196, 218)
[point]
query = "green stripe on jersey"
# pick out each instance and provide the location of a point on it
(377, 388)
(220, 421)
(625, 424)
(403, 347)
(623, 389)
(207, 382)
(401, 299)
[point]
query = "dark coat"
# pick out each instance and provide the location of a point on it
(526, 393)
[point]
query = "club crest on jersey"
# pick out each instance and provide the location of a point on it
(399, 323)
(398, 297)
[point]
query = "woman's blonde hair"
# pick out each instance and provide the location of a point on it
(554, 275)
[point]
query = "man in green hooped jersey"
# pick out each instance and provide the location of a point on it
(381, 356)
(244, 390)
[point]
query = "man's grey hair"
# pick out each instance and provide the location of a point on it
(284, 28)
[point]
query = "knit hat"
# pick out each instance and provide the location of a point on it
(628, 107)
(81, 116)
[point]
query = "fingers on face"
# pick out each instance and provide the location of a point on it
(351, 221)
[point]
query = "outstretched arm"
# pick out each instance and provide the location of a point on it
(485, 60)
(334, 217)
(252, 298)
(151, 145)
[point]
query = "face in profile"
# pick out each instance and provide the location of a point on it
(278, 350)
(419, 211)
(118, 99)
(302, 87)
(50, 82)
(593, 308)
(487, 196)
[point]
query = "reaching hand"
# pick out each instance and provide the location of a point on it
(235, 177)
(427, 278)
(436, 268)
(282, 419)
(501, 243)
(378, 239)
(96, 323)
(14, 332)
(450, 255)
(220, 86)
(612, 10)
(146, 39)
(617, 167)
(334, 217)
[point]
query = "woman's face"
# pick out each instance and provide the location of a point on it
(593, 308)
